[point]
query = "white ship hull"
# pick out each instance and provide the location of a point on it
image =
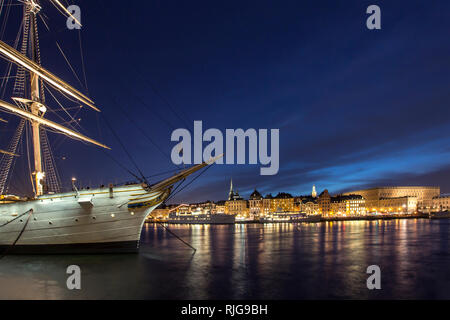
(91, 222)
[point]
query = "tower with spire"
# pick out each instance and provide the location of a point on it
(314, 193)
(231, 193)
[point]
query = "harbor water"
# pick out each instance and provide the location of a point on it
(325, 260)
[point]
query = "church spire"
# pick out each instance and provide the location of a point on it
(314, 193)
(231, 193)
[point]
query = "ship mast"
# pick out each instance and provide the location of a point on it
(32, 106)
(36, 107)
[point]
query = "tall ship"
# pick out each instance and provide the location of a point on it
(106, 219)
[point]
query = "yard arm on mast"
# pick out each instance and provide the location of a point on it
(19, 59)
(64, 11)
(10, 108)
(8, 153)
(35, 109)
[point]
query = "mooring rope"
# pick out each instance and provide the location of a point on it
(30, 212)
(12, 220)
(174, 193)
(173, 233)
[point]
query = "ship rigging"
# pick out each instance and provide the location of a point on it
(29, 104)
(96, 220)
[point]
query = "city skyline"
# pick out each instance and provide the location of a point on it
(246, 192)
(349, 102)
(314, 192)
(373, 203)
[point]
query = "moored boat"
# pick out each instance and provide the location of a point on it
(279, 217)
(92, 221)
(439, 215)
(200, 218)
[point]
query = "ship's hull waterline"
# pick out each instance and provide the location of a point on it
(92, 221)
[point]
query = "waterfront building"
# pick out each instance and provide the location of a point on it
(160, 213)
(306, 204)
(255, 203)
(238, 207)
(355, 205)
(423, 194)
(183, 208)
(282, 202)
(204, 207)
(398, 204)
(297, 204)
(324, 202)
(163, 211)
(267, 204)
(348, 204)
(236, 204)
(337, 206)
(441, 203)
(310, 207)
(220, 206)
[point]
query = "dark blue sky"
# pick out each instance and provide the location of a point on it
(355, 107)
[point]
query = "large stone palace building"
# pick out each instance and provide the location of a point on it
(440, 203)
(395, 199)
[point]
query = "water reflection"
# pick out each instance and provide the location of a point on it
(251, 261)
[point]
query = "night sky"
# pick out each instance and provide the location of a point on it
(355, 107)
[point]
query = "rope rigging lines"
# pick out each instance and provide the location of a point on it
(63, 53)
(144, 133)
(142, 177)
(20, 90)
(30, 212)
(7, 162)
(27, 36)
